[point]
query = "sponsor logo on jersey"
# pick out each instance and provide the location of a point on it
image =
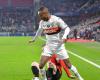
(52, 30)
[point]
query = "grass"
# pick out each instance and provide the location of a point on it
(16, 56)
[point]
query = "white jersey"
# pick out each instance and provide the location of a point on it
(54, 29)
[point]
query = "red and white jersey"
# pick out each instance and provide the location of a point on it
(54, 29)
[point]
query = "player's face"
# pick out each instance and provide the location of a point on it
(44, 15)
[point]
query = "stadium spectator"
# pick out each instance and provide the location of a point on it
(75, 33)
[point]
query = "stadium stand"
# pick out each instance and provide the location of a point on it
(17, 16)
(3, 3)
(22, 3)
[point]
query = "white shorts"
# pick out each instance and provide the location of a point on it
(61, 52)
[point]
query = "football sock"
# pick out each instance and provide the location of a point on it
(73, 68)
(43, 73)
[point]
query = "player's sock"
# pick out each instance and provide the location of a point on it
(43, 73)
(35, 78)
(73, 68)
(35, 71)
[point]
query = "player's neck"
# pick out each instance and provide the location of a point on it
(49, 17)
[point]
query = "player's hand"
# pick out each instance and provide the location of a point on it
(63, 41)
(31, 41)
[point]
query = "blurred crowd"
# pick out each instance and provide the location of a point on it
(16, 20)
(88, 29)
(78, 14)
(73, 11)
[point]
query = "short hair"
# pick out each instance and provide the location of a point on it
(42, 8)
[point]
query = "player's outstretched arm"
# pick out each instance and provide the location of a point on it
(39, 31)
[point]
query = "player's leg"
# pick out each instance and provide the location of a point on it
(39, 67)
(72, 68)
(45, 56)
(44, 59)
(63, 55)
(35, 70)
(42, 63)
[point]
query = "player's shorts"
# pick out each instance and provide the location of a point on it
(61, 52)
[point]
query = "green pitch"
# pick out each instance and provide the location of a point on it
(16, 55)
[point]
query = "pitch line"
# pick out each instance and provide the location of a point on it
(84, 59)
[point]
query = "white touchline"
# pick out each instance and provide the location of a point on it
(84, 59)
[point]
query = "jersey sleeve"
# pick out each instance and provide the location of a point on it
(62, 24)
(66, 32)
